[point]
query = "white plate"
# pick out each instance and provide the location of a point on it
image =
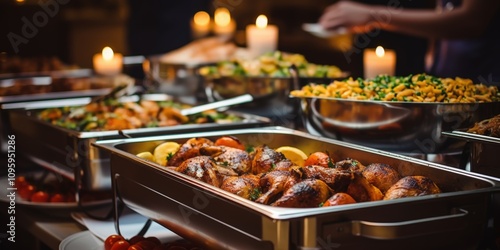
(84, 240)
(317, 30)
(4, 191)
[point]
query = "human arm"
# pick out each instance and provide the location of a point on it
(468, 20)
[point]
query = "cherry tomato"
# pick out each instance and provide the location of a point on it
(111, 240)
(319, 158)
(40, 196)
(21, 181)
(136, 239)
(27, 191)
(120, 245)
(230, 141)
(155, 240)
(143, 245)
(57, 198)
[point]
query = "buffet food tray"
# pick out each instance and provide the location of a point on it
(69, 152)
(480, 151)
(217, 219)
(402, 127)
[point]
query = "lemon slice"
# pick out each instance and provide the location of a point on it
(295, 155)
(165, 150)
(146, 156)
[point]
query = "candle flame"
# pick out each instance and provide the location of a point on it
(379, 51)
(222, 17)
(261, 21)
(107, 53)
(201, 18)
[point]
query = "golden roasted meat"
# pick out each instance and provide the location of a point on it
(381, 176)
(338, 180)
(190, 148)
(307, 193)
(339, 199)
(412, 186)
(265, 159)
(202, 168)
(229, 157)
(246, 186)
(361, 190)
(350, 165)
(274, 183)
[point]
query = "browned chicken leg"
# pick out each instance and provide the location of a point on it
(228, 157)
(338, 180)
(412, 186)
(381, 176)
(202, 168)
(361, 190)
(275, 183)
(307, 193)
(246, 186)
(265, 159)
(190, 148)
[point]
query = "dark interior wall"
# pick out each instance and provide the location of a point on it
(54, 37)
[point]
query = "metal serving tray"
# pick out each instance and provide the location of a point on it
(403, 127)
(454, 219)
(480, 150)
(70, 153)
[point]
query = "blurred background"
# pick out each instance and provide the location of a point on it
(74, 30)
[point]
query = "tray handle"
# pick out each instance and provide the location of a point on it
(403, 229)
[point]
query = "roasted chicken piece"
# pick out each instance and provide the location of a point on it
(274, 183)
(265, 159)
(381, 176)
(307, 193)
(412, 186)
(246, 186)
(350, 165)
(338, 180)
(361, 190)
(228, 157)
(189, 149)
(170, 116)
(202, 168)
(339, 199)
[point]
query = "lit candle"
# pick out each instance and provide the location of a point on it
(108, 62)
(379, 61)
(224, 24)
(261, 37)
(200, 24)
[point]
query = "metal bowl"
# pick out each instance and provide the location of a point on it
(173, 78)
(402, 127)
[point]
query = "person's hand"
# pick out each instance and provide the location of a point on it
(354, 16)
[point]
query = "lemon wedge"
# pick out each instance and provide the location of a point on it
(146, 156)
(165, 150)
(295, 155)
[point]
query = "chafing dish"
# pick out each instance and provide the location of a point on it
(479, 152)
(404, 127)
(220, 220)
(64, 84)
(69, 152)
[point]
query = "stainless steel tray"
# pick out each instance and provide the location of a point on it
(480, 152)
(403, 127)
(70, 153)
(218, 219)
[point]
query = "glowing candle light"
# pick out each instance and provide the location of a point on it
(108, 62)
(201, 24)
(379, 61)
(224, 24)
(261, 37)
